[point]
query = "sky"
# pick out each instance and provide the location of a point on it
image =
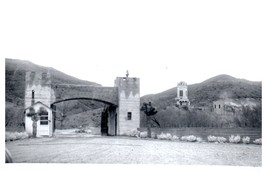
(161, 42)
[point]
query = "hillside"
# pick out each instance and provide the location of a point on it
(15, 88)
(15, 77)
(204, 93)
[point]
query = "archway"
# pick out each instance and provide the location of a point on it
(107, 116)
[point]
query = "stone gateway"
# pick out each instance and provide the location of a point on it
(121, 115)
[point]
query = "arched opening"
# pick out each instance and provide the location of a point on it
(95, 116)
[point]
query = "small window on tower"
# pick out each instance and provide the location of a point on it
(181, 93)
(129, 116)
(219, 106)
(32, 94)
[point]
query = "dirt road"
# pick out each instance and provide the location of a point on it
(122, 150)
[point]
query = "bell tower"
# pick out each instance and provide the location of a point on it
(182, 95)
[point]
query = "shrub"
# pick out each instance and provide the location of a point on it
(216, 139)
(143, 134)
(11, 136)
(258, 141)
(133, 133)
(221, 139)
(168, 136)
(163, 136)
(190, 138)
(234, 139)
(212, 138)
(246, 140)
(174, 137)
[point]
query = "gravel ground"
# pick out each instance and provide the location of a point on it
(123, 150)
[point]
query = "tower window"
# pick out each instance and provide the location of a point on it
(129, 115)
(181, 93)
(214, 106)
(219, 106)
(32, 94)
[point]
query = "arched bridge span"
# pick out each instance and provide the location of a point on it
(63, 92)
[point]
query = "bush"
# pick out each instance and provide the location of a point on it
(11, 136)
(168, 136)
(133, 133)
(190, 138)
(163, 136)
(143, 134)
(258, 141)
(246, 140)
(216, 139)
(221, 139)
(174, 137)
(212, 138)
(234, 139)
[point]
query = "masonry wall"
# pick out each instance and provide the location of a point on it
(41, 84)
(129, 102)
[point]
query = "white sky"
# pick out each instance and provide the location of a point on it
(161, 42)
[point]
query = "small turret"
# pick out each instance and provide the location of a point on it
(182, 95)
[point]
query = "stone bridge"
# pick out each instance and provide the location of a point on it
(65, 92)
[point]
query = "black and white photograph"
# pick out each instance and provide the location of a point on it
(133, 87)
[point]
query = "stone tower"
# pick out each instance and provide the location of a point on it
(38, 88)
(129, 104)
(38, 93)
(182, 95)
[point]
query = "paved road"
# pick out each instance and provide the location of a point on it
(110, 150)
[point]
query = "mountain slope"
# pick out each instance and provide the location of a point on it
(203, 94)
(15, 78)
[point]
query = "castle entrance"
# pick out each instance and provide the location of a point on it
(122, 102)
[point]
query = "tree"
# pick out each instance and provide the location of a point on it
(252, 116)
(150, 111)
(35, 117)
